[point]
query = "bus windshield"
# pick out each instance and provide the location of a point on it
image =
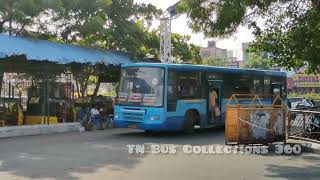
(141, 86)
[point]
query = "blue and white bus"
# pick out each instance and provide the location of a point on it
(181, 97)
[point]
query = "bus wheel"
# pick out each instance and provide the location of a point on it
(189, 122)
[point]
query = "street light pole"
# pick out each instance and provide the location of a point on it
(165, 40)
(165, 32)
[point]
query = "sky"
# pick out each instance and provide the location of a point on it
(180, 26)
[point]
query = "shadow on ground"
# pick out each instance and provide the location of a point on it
(296, 171)
(63, 156)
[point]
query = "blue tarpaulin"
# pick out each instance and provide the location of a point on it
(41, 50)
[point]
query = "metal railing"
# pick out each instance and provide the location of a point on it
(304, 124)
(255, 119)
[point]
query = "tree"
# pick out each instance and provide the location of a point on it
(17, 15)
(82, 74)
(215, 62)
(108, 24)
(111, 24)
(184, 51)
(256, 61)
(289, 28)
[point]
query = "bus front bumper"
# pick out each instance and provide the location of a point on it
(153, 126)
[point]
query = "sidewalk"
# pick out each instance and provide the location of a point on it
(308, 146)
(40, 129)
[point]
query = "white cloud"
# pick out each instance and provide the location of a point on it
(179, 25)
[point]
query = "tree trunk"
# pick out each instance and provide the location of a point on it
(96, 90)
(78, 89)
(84, 86)
(21, 31)
(10, 27)
(10, 17)
(2, 26)
(1, 80)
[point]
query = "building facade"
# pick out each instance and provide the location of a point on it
(212, 51)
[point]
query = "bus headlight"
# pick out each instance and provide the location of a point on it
(154, 118)
(116, 116)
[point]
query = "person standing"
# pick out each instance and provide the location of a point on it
(212, 104)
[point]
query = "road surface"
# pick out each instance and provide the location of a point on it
(104, 155)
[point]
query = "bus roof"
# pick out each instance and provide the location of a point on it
(210, 68)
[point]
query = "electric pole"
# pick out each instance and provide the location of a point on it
(165, 32)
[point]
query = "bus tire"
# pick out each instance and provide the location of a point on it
(189, 122)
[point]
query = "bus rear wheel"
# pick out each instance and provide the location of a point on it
(189, 121)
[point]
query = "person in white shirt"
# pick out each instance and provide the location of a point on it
(95, 117)
(94, 111)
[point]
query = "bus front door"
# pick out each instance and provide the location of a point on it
(214, 101)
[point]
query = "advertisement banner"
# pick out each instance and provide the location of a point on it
(306, 80)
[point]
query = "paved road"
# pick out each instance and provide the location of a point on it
(104, 155)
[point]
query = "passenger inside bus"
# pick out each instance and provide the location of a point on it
(141, 86)
(186, 88)
(214, 110)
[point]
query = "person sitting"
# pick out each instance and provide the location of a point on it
(94, 111)
(95, 116)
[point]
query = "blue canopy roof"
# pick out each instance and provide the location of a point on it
(41, 50)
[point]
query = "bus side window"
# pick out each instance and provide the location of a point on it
(189, 85)
(258, 86)
(227, 85)
(267, 85)
(172, 90)
(242, 86)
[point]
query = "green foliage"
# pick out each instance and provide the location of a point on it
(215, 62)
(120, 25)
(84, 74)
(16, 15)
(183, 51)
(257, 62)
(290, 31)
(112, 24)
(292, 46)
